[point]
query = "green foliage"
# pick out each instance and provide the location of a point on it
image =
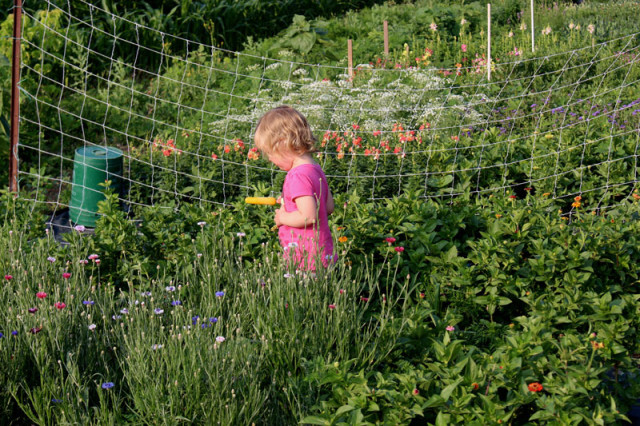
(488, 297)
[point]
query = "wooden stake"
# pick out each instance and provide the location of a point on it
(15, 97)
(489, 41)
(385, 27)
(350, 57)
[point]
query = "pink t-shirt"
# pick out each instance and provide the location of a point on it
(303, 180)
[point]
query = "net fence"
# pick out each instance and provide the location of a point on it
(564, 124)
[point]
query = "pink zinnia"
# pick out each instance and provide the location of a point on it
(450, 328)
(464, 47)
(41, 295)
(390, 240)
(66, 275)
(60, 305)
(399, 249)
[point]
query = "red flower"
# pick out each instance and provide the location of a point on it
(390, 240)
(66, 275)
(364, 299)
(416, 391)
(475, 386)
(513, 197)
(421, 295)
(399, 249)
(341, 291)
(41, 295)
(60, 305)
(8, 277)
(332, 307)
(535, 387)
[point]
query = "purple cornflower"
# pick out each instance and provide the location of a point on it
(170, 288)
(219, 293)
(194, 319)
(51, 259)
(107, 385)
(158, 311)
(176, 303)
(213, 320)
(88, 302)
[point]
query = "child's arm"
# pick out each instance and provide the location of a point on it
(330, 205)
(304, 216)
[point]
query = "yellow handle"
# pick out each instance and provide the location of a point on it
(264, 201)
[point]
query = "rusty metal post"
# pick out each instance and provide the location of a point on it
(15, 97)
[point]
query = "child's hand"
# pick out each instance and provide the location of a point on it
(278, 217)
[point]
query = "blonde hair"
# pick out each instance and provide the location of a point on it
(284, 129)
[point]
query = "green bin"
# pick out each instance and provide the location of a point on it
(91, 167)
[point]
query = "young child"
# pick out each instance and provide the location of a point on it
(284, 135)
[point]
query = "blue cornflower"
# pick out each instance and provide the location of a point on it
(158, 311)
(107, 385)
(205, 325)
(219, 293)
(213, 320)
(14, 332)
(176, 303)
(195, 319)
(56, 401)
(1, 335)
(88, 302)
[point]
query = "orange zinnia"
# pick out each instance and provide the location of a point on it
(535, 387)
(343, 239)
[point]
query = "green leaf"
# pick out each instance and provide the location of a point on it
(446, 392)
(314, 420)
(343, 409)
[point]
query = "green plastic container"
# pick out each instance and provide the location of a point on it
(91, 167)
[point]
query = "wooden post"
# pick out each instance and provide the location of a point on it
(350, 57)
(385, 27)
(15, 97)
(533, 32)
(489, 41)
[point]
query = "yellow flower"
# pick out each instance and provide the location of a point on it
(576, 204)
(546, 194)
(498, 216)
(343, 239)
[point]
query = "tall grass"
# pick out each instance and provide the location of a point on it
(217, 342)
